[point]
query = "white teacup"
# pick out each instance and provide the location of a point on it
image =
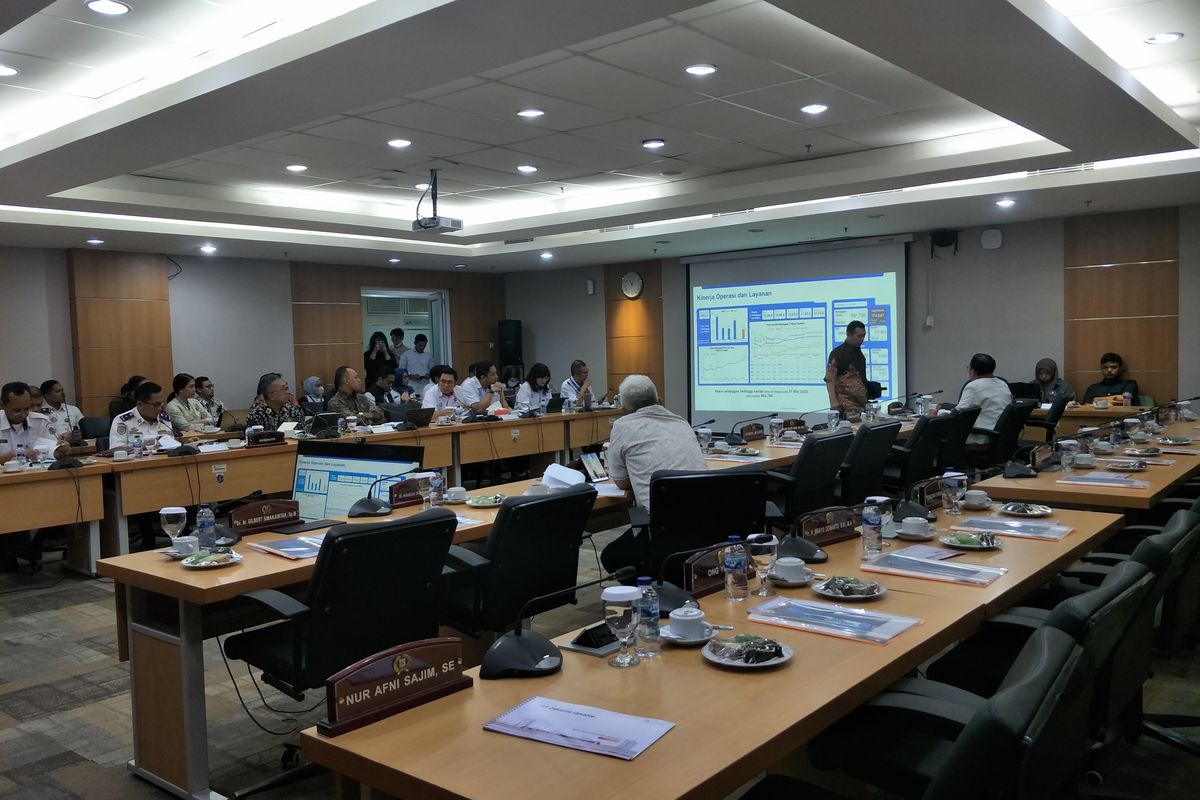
(1100, 403)
(456, 494)
(445, 420)
(720, 446)
(790, 436)
(186, 545)
(790, 568)
(1085, 460)
(120, 455)
(688, 623)
(914, 526)
(12, 466)
(976, 497)
(537, 488)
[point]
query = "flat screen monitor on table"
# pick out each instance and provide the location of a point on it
(331, 476)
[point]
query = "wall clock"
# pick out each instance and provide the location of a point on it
(631, 285)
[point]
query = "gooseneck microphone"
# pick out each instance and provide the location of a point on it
(372, 506)
(670, 596)
(702, 424)
(734, 438)
(529, 654)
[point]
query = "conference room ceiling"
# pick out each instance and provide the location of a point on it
(173, 125)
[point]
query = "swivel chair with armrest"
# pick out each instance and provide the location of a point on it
(1049, 423)
(374, 586)
(951, 452)
(861, 473)
(1002, 441)
(811, 481)
(914, 460)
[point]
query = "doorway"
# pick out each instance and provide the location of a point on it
(414, 311)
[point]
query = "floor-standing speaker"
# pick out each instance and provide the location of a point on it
(509, 338)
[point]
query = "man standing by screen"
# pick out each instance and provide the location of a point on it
(846, 373)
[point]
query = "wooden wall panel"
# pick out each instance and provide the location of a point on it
(120, 322)
(326, 323)
(323, 359)
(1121, 281)
(634, 328)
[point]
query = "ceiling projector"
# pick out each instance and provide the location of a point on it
(437, 225)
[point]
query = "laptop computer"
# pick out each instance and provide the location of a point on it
(418, 416)
(555, 404)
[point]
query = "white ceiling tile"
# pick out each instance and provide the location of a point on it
(60, 39)
(60, 77)
(611, 181)
(470, 173)
(734, 156)
(1120, 31)
(308, 146)
(236, 174)
(269, 161)
(773, 34)
(630, 133)
(407, 180)
(786, 101)
(446, 88)
(1176, 84)
(502, 101)
(708, 9)
(604, 86)
(887, 84)
(888, 131)
(524, 64)
(380, 106)
(502, 196)
(193, 23)
(959, 118)
(668, 170)
(502, 160)
(662, 55)
(365, 131)
(620, 36)
(568, 149)
(807, 144)
(723, 120)
(455, 123)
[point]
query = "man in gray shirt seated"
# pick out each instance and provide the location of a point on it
(349, 398)
(646, 439)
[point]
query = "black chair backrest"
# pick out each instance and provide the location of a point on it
(393, 412)
(923, 444)
(862, 475)
(533, 549)
(950, 453)
(816, 469)
(374, 586)
(310, 408)
(1056, 410)
(691, 509)
(1008, 429)
(1028, 738)
(95, 427)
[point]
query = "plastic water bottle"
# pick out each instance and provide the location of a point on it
(20, 459)
(341, 425)
(206, 527)
(872, 531)
(648, 641)
(1128, 399)
(435, 487)
(919, 405)
(137, 446)
(734, 562)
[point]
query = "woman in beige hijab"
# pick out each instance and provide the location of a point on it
(1050, 385)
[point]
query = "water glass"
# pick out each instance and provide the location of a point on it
(835, 416)
(1067, 450)
(173, 520)
(776, 429)
(568, 406)
(621, 615)
(763, 555)
(705, 437)
(954, 488)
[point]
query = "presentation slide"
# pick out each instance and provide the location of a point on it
(763, 347)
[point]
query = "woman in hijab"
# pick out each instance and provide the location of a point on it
(1051, 386)
(314, 390)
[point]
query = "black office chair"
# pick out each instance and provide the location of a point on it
(811, 481)
(374, 586)
(533, 550)
(1023, 742)
(690, 509)
(96, 428)
(311, 409)
(1002, 441)
(914, 460)
(861, 473)
(950, 453)
(1049, 423)
(394, 412)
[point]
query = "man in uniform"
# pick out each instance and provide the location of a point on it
(349, 398)
(846, 372)
(147, 417)
(20, 426)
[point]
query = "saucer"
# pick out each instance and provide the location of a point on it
(786, 584)
(174, 554)
(668, 635)
(460, 501)
(916, 537)
(984, 506)
(234, 444)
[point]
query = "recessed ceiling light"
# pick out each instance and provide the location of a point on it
(1164, 38)
(109, 8)
(208, 249)
(398, 143)
(815, 108)
(546, 256)
(95, 241)
(530, 113)
(7, 72)
(460, 266)
(1006, 203)
(296, 167)
(421, 186)
(654, 144)
(700, 69)
(526, 169)
(393, 261)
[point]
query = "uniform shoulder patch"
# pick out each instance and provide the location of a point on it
(128, 415)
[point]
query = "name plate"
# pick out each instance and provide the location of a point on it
(404, 493)
(930, 494)
(263, 515)
(395, 680)
(264, 438)
(704, 574)
(753, 431)
(828, 525)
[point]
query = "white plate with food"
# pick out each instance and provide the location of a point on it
(743, 650)
(1126, 465)
(849, 589)
(207, 560)
(969, 541)
(486, 501)
(1026, 510)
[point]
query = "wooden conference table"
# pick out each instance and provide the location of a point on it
(729, 724)
(39, 498)
(1045, 488)
(1083, 416)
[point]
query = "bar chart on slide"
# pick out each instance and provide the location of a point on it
(728, 326)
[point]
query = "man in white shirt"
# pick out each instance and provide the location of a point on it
(21, 427)
(64, 418)
(988, 392)
(483, 392)
(417, 362)
(578, 385)
(147, 418)
(443, 395)
(646, 439)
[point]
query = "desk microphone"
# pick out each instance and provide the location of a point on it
(670, 596)
(735, 438)
(372, 506)
(702, 424)
(529, 654)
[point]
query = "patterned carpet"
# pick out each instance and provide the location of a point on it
(65, 727)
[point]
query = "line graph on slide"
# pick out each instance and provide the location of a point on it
(721, 364)
(791, 351)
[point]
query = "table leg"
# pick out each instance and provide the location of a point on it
(83, 547)
(456, 463)
(166, 676)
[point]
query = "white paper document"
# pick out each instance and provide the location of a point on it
(213, 447)
(1028, 529)
(595, 730)
(1095, 479)
(468, 522)
(608, 489)
(829, 619)
(900, 563)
